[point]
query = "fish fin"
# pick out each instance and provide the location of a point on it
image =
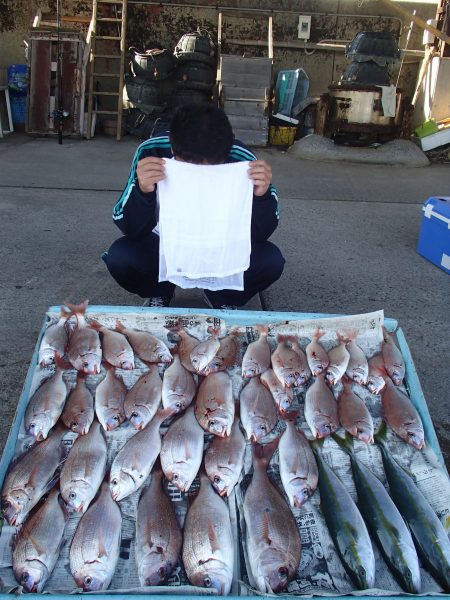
(214, 541)
(344, 443)
(101, 545)
(351, 334)
(31, 479)
(187, 450)
(266, 527)
(263, 453)
(39, 547)
(281, 338)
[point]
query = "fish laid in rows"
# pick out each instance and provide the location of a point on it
(116, 348)
(224, 459)
(392, 358)
(385, 523)
(30, 477)
(346, 526)
(186, 345)
(46, 405)
(225, 357)
(316, 354)
(178, 386)
(110, 396)
(400, 414)
(55, 339)
(84, 469)
(354, 416)
(203, 353)
(214, 404)
(95, 547)
(208, 544)
(357, 368)
(149, 348)
(376, 379)
(272, 535)
(429, 535)
(143, 399)
(339, 358)
(84, 351)
(258, 412)
(321, 409)
(289, 362)
(182, 450)
(78, 412)
(298, 468)
(256, 359)
(283, 396)
(134, 461)
(158, 534)
(37, 545)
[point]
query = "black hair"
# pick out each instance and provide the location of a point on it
(201, 133)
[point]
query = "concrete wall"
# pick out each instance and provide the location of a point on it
(163, 24)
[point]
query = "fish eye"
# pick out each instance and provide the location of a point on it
(179, 405)
(283, 572)
(73, 425)
(305, 493)
(24, 577)
(115, 417)
(211, 423)
(133, 414)
(72, 495)
(88, 580)
(86, 364)
(263, 427)
(217, 479)
(32, 425)
(207, 581)
(160, 550)
(175, 477)
(114, 481)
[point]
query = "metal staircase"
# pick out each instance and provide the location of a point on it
(106, 61)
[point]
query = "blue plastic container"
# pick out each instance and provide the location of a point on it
(18, 79)
(291, 88)
(434, 236)
(18, 108)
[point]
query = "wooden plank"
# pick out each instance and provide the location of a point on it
(251, 137)
(247, 122)
(244, 93)
(417, 20)
(39, 87)
(251, 109)
(248, 80)
(249, 66)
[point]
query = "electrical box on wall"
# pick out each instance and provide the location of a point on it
(304, 27)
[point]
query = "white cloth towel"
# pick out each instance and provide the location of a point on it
(204, 225)
(389, 100)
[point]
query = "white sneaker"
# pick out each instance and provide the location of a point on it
(157, 302)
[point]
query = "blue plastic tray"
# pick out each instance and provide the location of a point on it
(238, 317)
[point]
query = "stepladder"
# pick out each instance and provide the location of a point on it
(106, 60)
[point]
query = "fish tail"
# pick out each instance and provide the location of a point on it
(77, 309)
(344, 443)
(95, 325)
(120, 327)
(262, 453)
(341, 337)
(263, 329)
(214, 331)
(351, 334)
(64, 313)
(380, 436)
(291, 415)
(318, 333)
(177, 327)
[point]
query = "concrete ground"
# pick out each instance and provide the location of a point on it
(348, 231)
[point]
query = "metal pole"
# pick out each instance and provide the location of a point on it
(59, 73)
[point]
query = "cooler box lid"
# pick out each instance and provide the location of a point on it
(438, 208)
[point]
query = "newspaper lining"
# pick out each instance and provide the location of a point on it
(320, 572)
